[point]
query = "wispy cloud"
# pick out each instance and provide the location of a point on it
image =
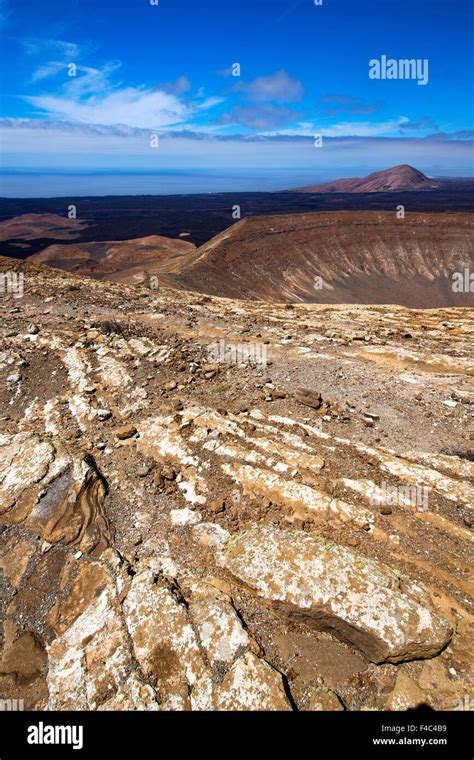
(420, 124)
(93, 95)
(346, 129)
(48, 70)
(41, 45)
(344, 104)
(180, 86)
(129, 106)
(364, 128)
(259, 116)
(278, 87)
(91, 81)
(59, 53)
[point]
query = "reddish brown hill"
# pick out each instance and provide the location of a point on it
(32, 226)
(128, 261)
(318, 257)
(361, 257)
(403, 177)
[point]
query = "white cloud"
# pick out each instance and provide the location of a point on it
(278, 87)
(129, 106)
(133, 107)
(91, 97)
(364, 128)
(48, 70)
(64, 53)
(181, 85)
(259, 116)
(90, 80)
(344, 129)
(62, 48)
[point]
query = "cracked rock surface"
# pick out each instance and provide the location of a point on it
(179, 533)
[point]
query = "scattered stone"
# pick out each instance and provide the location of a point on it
(125, 432)
(217, 505)
(136, 538)
(110, 327)
(158, 479)
(372, 416)
(167, 472)
(277, 393)
(103, 414)
(352, 541)
(459, 451)
(308, 397)
(464, 397)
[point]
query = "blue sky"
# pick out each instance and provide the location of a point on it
(166, 69)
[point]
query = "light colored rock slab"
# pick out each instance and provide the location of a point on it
(325, 584)
(164, 642)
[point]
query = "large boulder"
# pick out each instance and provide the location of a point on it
(355, 599)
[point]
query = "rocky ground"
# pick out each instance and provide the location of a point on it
(178, 532)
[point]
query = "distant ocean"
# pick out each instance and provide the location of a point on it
(24, 185)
